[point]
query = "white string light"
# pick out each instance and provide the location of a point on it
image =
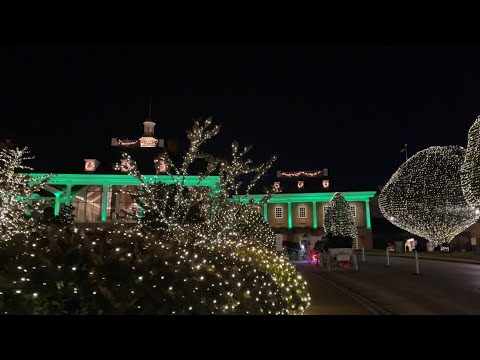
(194, 250)
(424, 196)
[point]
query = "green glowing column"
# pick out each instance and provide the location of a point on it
(265, 212)
(290, 215)
(104, 203)
(367, 214)
(56, 209)
(314, 213)
(68, 194)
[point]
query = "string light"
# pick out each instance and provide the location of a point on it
(424, 196)
(17, 192)
(339, 220)
(470, 169)
(179, 257)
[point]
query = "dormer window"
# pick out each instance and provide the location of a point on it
(91, 164)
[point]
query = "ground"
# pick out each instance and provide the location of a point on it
(442, 287)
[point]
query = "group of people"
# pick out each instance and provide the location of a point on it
(304, 249)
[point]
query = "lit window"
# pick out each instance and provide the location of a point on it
(353, 210)
(278, 212)
(302, 212)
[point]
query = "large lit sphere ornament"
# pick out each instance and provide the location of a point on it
(470, 170)
(425, 196)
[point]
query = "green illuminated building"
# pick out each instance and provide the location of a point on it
(297, 207)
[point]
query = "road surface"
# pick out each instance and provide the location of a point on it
(441, 288)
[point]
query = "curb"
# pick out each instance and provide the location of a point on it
(466, 261)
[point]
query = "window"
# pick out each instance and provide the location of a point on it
(278, 212)
(127, 208)
(353, 210)
(88, 204)
(302, 212)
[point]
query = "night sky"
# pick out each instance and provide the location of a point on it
(349, 108)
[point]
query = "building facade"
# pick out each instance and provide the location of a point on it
(101, 193)
(296, 214)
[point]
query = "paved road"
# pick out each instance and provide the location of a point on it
(441, 288)
(328, 298)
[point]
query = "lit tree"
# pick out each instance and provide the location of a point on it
(424, 196)
(16, 194)
(339, 220)
(199, 213)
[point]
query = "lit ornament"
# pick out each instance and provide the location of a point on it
(470, 169)
(424, 196)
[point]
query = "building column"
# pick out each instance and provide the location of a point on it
(104, 203)
(367, 214)
(68, 195)
(265, 212)
(117, 200)
(56, 209)
(290, 222)
(314, 213)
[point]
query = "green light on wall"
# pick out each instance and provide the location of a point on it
(367, 214)
(290, 222)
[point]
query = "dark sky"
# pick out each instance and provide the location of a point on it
(346, 107)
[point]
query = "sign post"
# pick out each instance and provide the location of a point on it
(363, 253)
(474, 244)
(416, 263)
(388, 257)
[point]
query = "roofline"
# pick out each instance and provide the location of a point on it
(319, 197)
(123, 179)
